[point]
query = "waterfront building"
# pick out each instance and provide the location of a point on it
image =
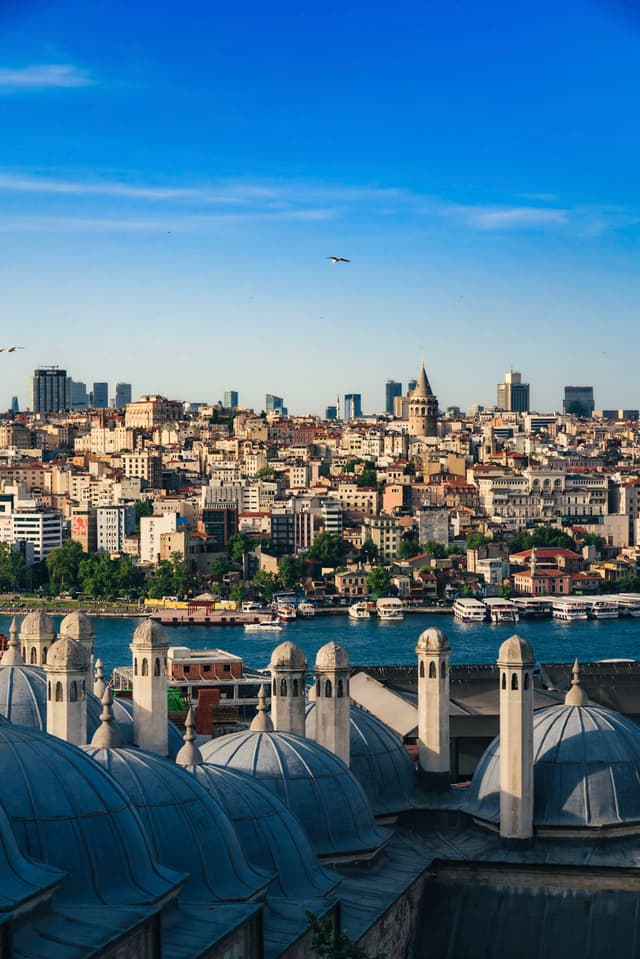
(513, 394)
(578, 401)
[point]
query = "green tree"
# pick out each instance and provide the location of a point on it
(237, 546)
(265, 584)
(476, 540)
(329, 943)
(265, 473)
(143, 507)
(237, 595)
(161, 582)
(543, 536)
(290, 570)
(368, 551)
(63, 565)
(368, 477)
(378, 581)
(13, 568)
(467, 592)
(437, 550)
(328, 549)
(505, 590)
(408, 548)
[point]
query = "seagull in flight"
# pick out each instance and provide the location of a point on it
(10, 349)
(338, 259)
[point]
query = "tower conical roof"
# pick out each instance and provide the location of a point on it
(423, 387)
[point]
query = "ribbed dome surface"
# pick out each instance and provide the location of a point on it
(288, 655)
(378, 760)
(316, 786)
(37, 625)
(64, 809)
(77, 625)
(271, 837)
(69, 654)
(23, 701)
(188, 830)
(586, 770)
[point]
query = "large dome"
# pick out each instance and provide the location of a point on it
(23, 701)
(586, 771)
(378, 760)
(65, 809)
(316, 786)
(270, 836)
(188, 829)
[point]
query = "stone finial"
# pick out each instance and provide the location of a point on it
(99, 684)
(261, 721)
(12, 655)
(107, 735)
(576, 695)
(189, 754)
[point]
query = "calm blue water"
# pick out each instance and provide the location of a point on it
(377, 643)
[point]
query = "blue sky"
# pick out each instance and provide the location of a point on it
(172, 178)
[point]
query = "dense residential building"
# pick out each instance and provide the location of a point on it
(151, 411)
(41, 527)
(144, 465)
(50, 390)
(113, 525)
(513, 394)
(578, 401)
(79, 397)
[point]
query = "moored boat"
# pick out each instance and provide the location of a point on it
(469, 610)
(569, 609)
(359, 611)
(389, 609)
(501, 610)
(265, 627)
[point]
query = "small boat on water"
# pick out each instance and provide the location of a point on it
(569, 609)
(390, 609)
(269, 626)
(359, 611)
(307, 610)
(602, 609)
(469, 610)
(286, 611)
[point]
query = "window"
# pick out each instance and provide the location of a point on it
(145, 667)
(156, 667)
(432, 670)
(504, 680)
(34, 656)
(283, 687)
(526, 680)
(296, 688)
(340, 691)
(135, 666)
(73, 692)
(58, 692)
(421, 669)
(514, 680)
(327, 689)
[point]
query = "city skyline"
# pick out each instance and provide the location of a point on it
(169, 211)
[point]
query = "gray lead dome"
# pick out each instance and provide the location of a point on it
(586, 771)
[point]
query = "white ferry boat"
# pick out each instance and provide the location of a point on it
(569, 609)
(469, 610)
(501, 610)
(629, 604)
(602, 608)
(306, 610)
(286, 611)
(390, 609)
(266, 627)
(359, 611)
(531, 607)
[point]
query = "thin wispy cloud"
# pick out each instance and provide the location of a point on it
(518, 217)
(44, 77)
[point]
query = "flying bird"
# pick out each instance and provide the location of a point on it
(338, 259)
(10, 349)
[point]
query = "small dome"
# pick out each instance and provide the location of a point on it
(77, 626)
(378, 760)
(23, 701)
(515, 651)
(37, 625)
(65, 809)
(332, 656)
(270, 836)
(150, 633)
(188, 830)
(315, 785)
(67, 654)
(289, 656)
(586, 771)
(433, 640)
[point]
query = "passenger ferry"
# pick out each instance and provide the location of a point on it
(359, 611)
(390, 609)
(569, 609)
(533, 607)
(306, 610)
(629, 604)
(469, 610)
(286, 611)
(601, 608)
(501, 610)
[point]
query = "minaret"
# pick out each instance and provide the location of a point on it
(423, 408)
(78, 626)
(433, 653)
(99, 684)
(288, 669)
(189, 754)
(515, 665)
(66, 670)
(37, 633)
(12, 655)
(107, 735)
(150, 710)
(333, 705)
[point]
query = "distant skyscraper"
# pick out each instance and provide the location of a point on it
(352, 406)
(231, 399)
(411, 385)
(15, 406)
(79, 398)
(578, 401)
(50, 390)
(513, 394)
(392, 389)
(275, 404)
(123, 395)
(331, 413)
(100, 396)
